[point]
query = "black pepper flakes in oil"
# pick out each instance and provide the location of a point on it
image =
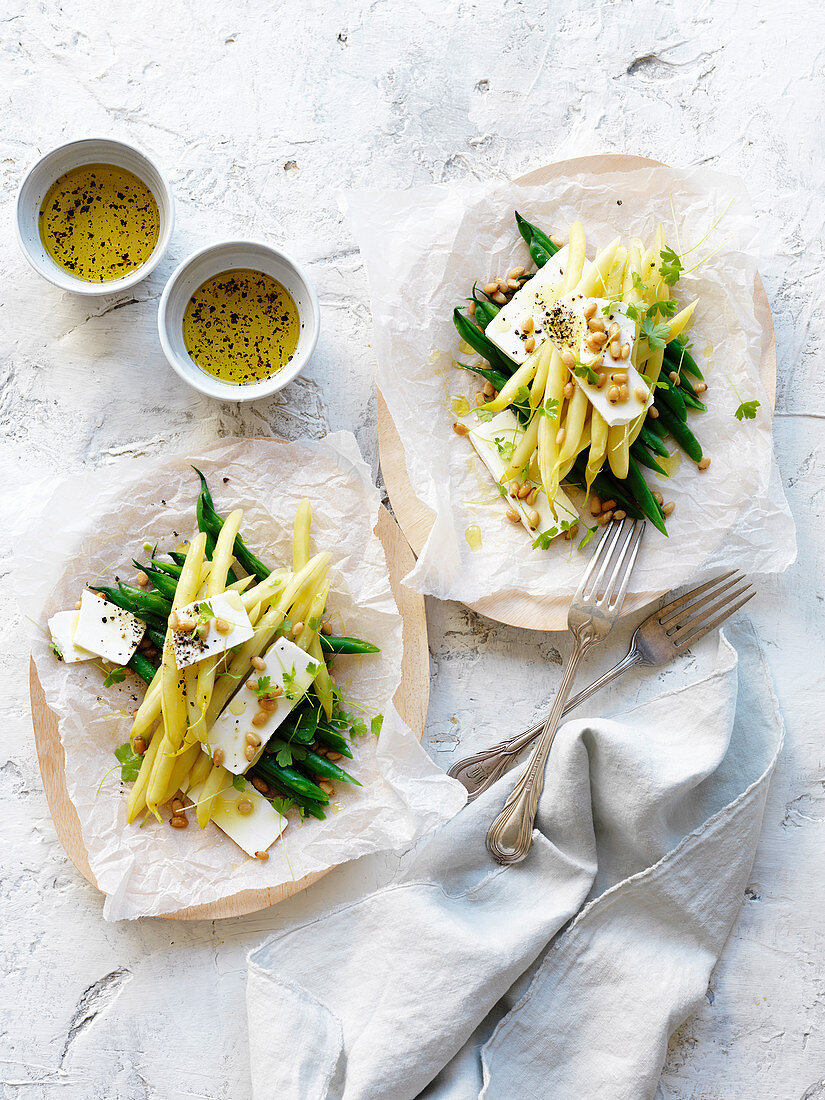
(241, 326)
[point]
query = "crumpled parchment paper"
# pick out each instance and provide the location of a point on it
(424, 248)
(90, 528)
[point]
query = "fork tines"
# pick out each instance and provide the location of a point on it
(688, 619)
(608, 573)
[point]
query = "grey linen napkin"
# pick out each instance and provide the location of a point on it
(456, 982)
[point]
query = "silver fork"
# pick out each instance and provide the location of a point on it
(594, 610)
(661, 638)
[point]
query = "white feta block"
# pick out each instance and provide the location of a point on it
(62, 627)
(494, 441)
(255, 831)
(534, 300)
(107, 630)
(205, 640)
(289, 668)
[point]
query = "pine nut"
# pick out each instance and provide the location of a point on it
(141, 579)
(605, 518)
(530, 344)
(326, 629)
(615, 350)
(524, 491)
(597, 363)
(557, 241)
(619, 376)
(674, 377)
(260, 718)
(701, 387)
(624, 392)
(569, 390)
(516, 273)
(667, 509)
(641, 395)
(502, 283)
(217, 757)
(597, 340)
(608, 505)
(490, 288)
(657, 496)
(653, 412)
(613, 394)
(260, 784)
(514, 488)
(139, 746)
(185, 626)
(534, 493)
(590, 311)
(625, 351)
(513, 515)
(489, 390)
(703, 465)
(178, 821)
(177, 806)
(596, 324)
(471, 309)
(595, 505)
(244, 806)
(534, 519)
(249, 753)
(499, 298)
(333, 756)
(560, 435)
(262, 856)
(460, 429)
(571, 532)
(480, 399)
(252, 685)
(513, 284)
(259, 663)
(568, 358)
(602, 382)
(77, 605)
(223, 626)
(297, 628)
(326, 787)
(614, 331)
(252, 738)
(527, 325)
(619, 514)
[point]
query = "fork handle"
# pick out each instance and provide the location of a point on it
(482, 769)
(511, 834)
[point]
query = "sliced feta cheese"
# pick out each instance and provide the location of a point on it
(62, 627)
(494, 442)
(205, 640)
(533, 300)
(289, 668)
(255, 831)
(107, 630)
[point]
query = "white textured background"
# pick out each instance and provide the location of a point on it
(261, 112)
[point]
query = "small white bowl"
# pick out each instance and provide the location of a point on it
(49, 168)
(211, 261)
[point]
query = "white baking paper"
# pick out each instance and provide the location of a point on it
(90, 529)
(424, 248)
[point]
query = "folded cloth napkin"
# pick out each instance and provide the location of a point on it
(456, 982)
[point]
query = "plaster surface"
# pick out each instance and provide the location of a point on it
(261, 113)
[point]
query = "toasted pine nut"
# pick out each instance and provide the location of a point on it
(657, 496)
(333, 756)
(534, 493)
(177, 806)
(667, 509)
(260, 718)
(615, 350)
(530, 343)
(259, 663)
(624, 392)
(252, 738)
(599, 339)
(527, 325)
(480, 399)
(619, 514)
(534, 519)
(701, 387)
(244, 806)
(252, 685)
(602, 382)
(77, 606)
(590, 311)
(185, 626)
(499, 298)
(674, 377)
(703, 465)
(489, 390)
(557, 241)
(619, 376)
(597, 363)
(515, 273)
(513, 284)
(569, 390)
(524, 491)
(571, 532)
(260, 784)
(139, 746)
(513, 515)
(178, 821)
(471, 308)
(560, 434)
(595, 505)
(605, 518)
(460, 429)
(641, 395)
(625, 351)
(141, 579)
(568, 358)
(326, 787)
(614, 331)
(249, 753)
(596, 324)
(490, 288)
(502, 284)
(613, 394)
(326, 629)
(653, 412)
(269, 705)
(514, 488)
(223, 626)
(217, 757)
(262, 856)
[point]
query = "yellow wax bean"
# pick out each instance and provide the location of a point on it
(539, 385)
(523, 376)
(300, 535)
(323, 680)
(137, 795)
(573, 426)
(618, 450)
(594, 280)
(598, 448)
(217, 780)
(576, 249)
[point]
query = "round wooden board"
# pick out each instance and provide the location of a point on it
(410, 700)
(416, 519)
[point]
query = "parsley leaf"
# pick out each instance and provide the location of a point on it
(667, 308)
(549, 408)
(588, 535)
(581, 371)
(114, 676)
(670, 267)
(263, 686)
(632, 312)
(522, 395)
(283, 757)
(376, 724)
(651, 385)
(505, 447)
(238, 782)
(747, 410)
(485, 415)
(656, 332)
(544, 538)
(129, 762)
(205, 613)
(282, 805)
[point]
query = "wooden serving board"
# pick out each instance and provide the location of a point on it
(416, 519)
(410, 700)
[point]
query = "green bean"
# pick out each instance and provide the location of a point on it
(643, 455)
(681, 433)
(156, 637)
(333, 740)
(605, 485)
(485, 310)
(164, 584)
(647, 502)
(246, 559)
(300, 725)
(677, 352)
(309, 761)
(307, 804)
(177, 557)
(170, 568)
(340, 644)
(143, 667)
(691, 399)
(472, 335)
(653, 441)
(540, 245)
(673, 400)
(113, 595)
(153, 603)
(295, 783)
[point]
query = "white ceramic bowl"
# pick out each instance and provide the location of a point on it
(39, 179)
(211, 261)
